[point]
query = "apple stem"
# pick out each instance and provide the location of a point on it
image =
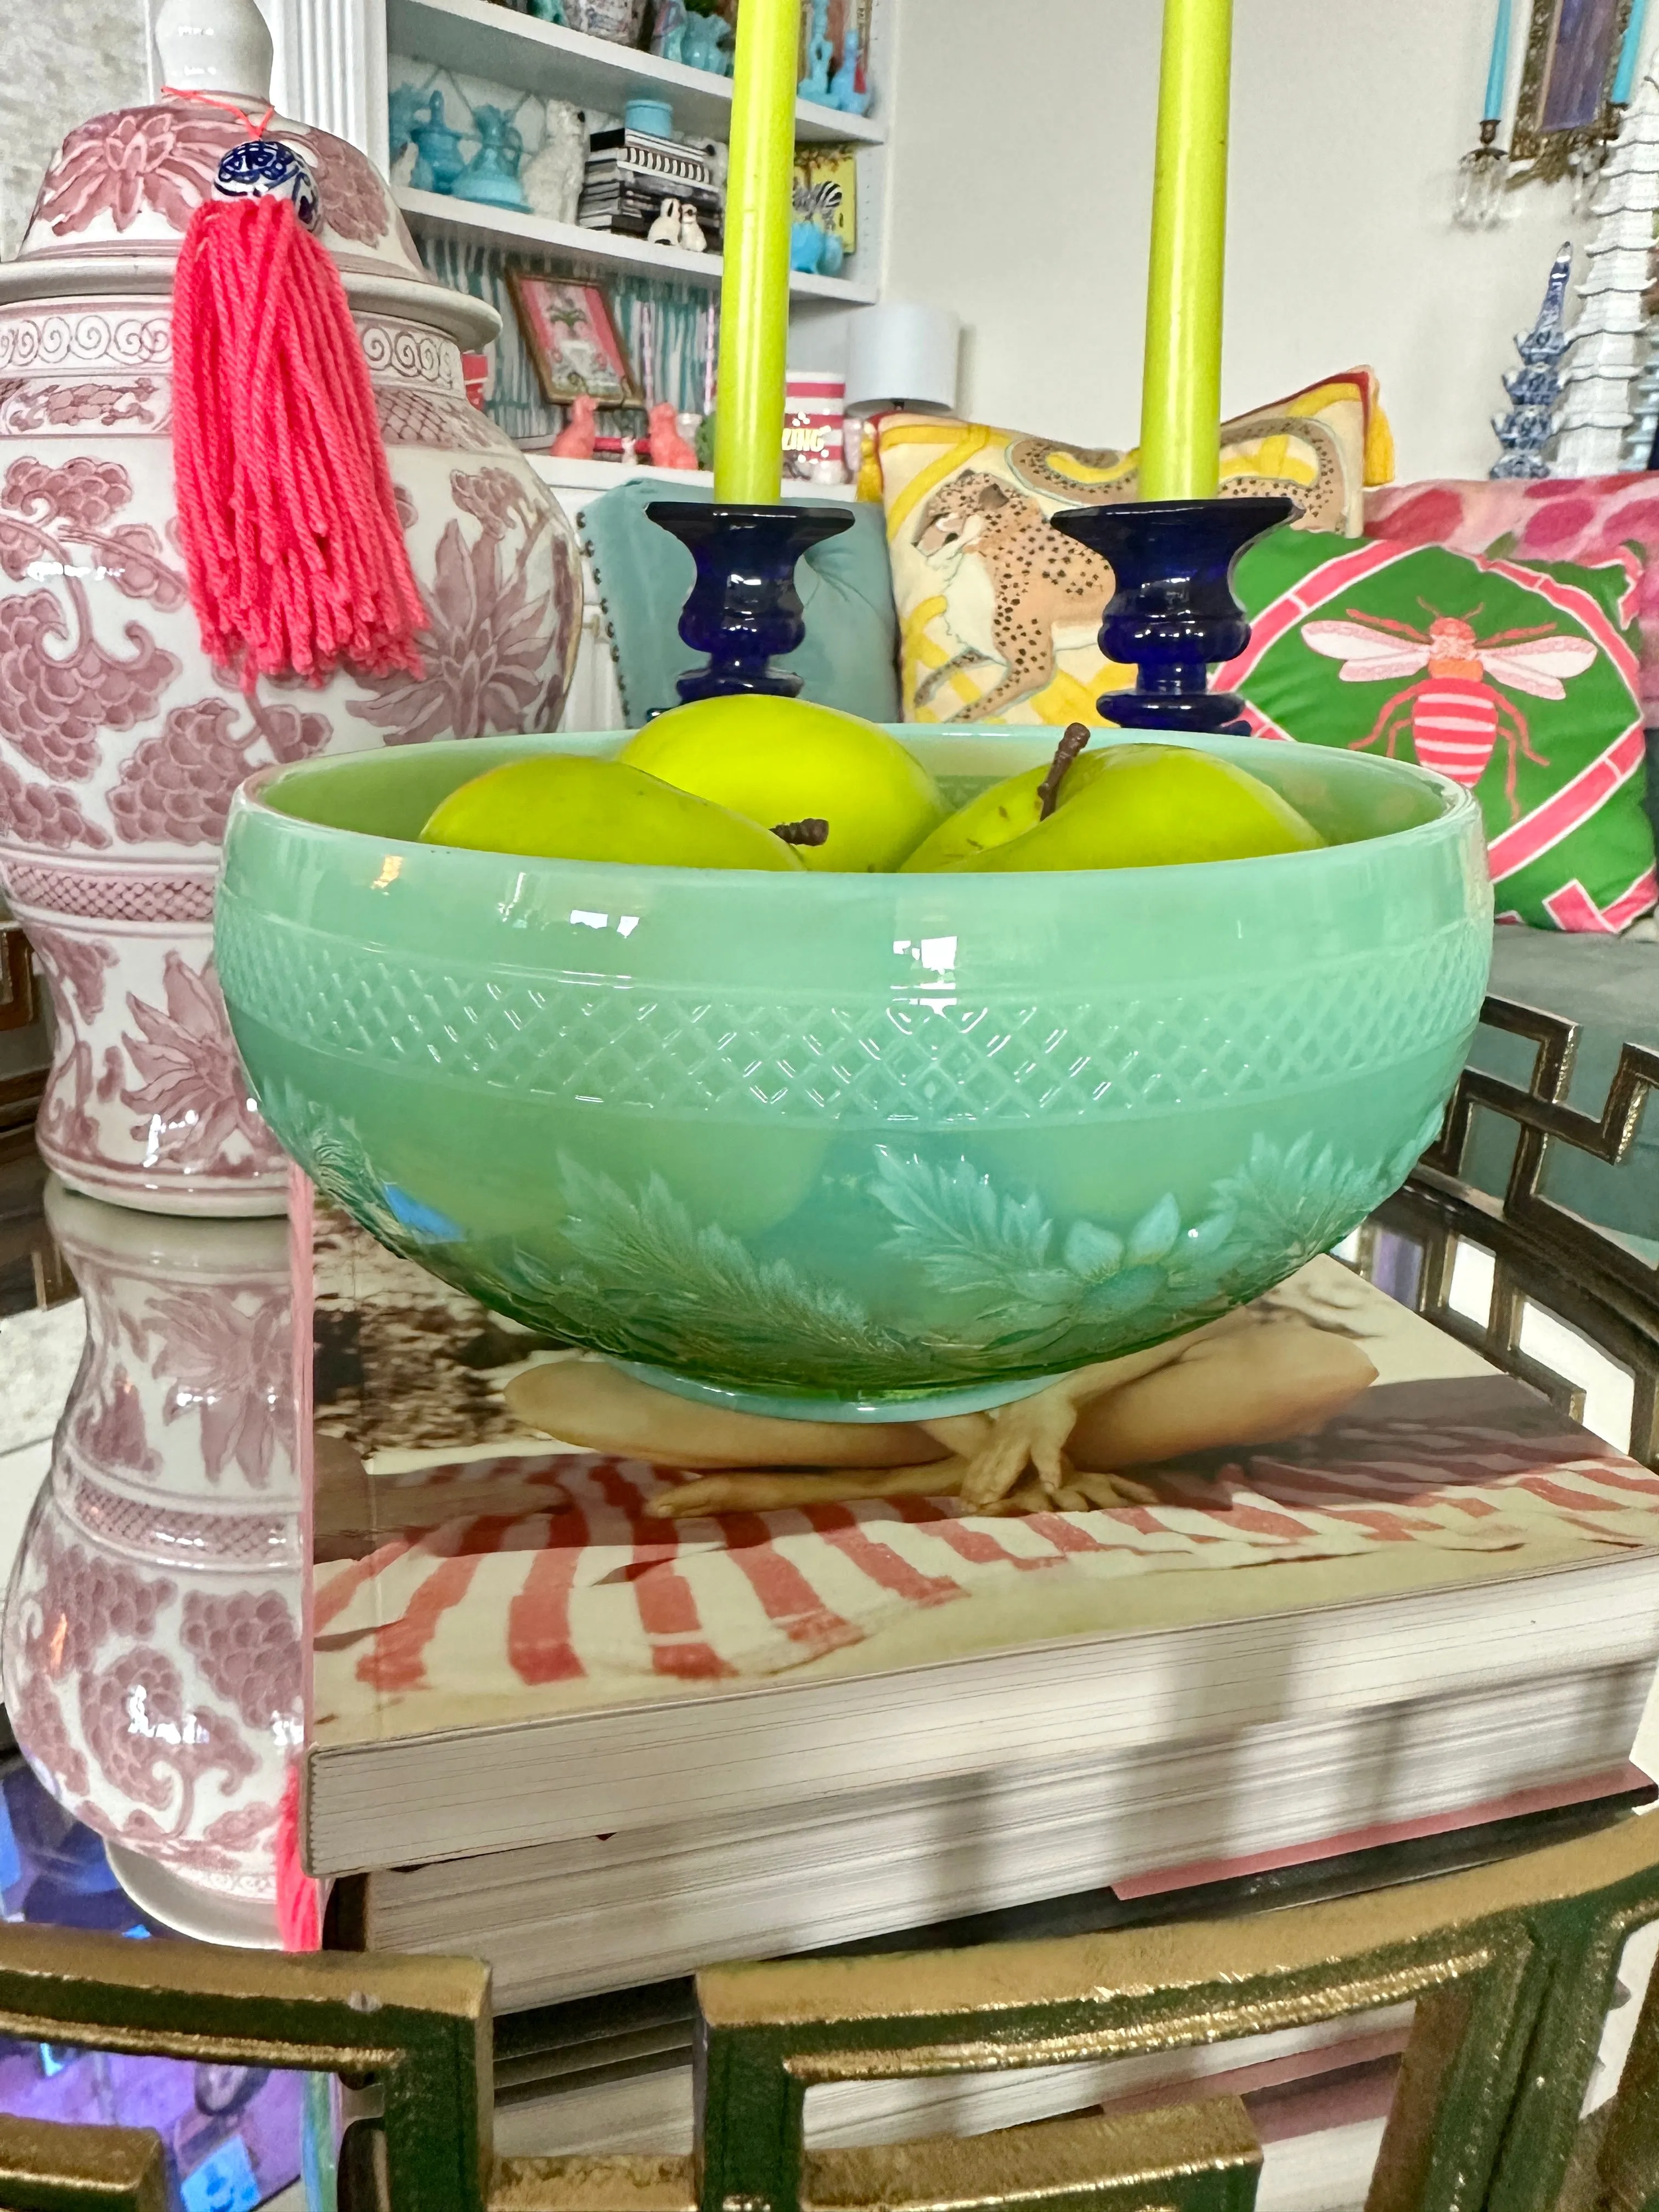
(814, 830)
(1076, 737)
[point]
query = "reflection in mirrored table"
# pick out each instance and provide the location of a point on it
(150, 1518)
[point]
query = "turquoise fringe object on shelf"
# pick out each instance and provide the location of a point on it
(667, 326)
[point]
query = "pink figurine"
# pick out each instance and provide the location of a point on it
(668, 449)
(575, 441)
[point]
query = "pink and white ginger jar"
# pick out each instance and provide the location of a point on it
(120, 745)
(152, 1658)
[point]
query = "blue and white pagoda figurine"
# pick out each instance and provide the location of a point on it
(1534, 388)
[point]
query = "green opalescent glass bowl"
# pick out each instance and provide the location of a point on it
(853, 1143)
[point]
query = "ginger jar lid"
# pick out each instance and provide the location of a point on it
(112, 208)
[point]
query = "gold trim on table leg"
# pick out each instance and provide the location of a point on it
(1626, 2159)
(1179, 2158)
(45, 2167)
(421, 2026)
(634, 2182)
(1511, 1968)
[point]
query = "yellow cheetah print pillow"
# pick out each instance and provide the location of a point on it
(999, 614)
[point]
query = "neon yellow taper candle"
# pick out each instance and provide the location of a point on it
(755, 285)
(1180, 394)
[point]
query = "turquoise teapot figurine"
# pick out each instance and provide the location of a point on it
(492, 174)
(440, 159)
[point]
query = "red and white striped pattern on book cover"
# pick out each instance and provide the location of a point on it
(581, 1583)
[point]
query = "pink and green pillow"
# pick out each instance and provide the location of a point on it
(1519, 680)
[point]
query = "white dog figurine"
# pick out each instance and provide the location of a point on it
(665, 231)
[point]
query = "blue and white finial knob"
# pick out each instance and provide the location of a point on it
(259, 167)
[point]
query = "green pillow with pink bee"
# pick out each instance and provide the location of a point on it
(1516, 679)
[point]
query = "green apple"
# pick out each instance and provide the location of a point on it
(783, 761)
(564, 807)
(1149, 806)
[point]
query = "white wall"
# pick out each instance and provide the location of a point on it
(1021, 187)
(63, 60)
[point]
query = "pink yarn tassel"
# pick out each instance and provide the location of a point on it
(292, 543)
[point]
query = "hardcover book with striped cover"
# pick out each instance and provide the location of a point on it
(510, 1647)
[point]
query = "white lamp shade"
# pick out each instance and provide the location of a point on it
(903, 354)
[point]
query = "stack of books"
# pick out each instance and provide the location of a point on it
(599, 1749)
(631, 173)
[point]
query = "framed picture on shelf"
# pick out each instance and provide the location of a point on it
(571, 337)
(828, 177)
(1566, 80)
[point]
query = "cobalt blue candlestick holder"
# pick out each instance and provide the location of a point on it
(744, 609)
(1174, 616)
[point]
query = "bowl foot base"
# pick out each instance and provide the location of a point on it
(247, 1922)
(891, 1406)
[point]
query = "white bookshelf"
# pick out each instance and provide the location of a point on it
(478, 37)
(494, 46)
(333, 62)
(591, 252)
